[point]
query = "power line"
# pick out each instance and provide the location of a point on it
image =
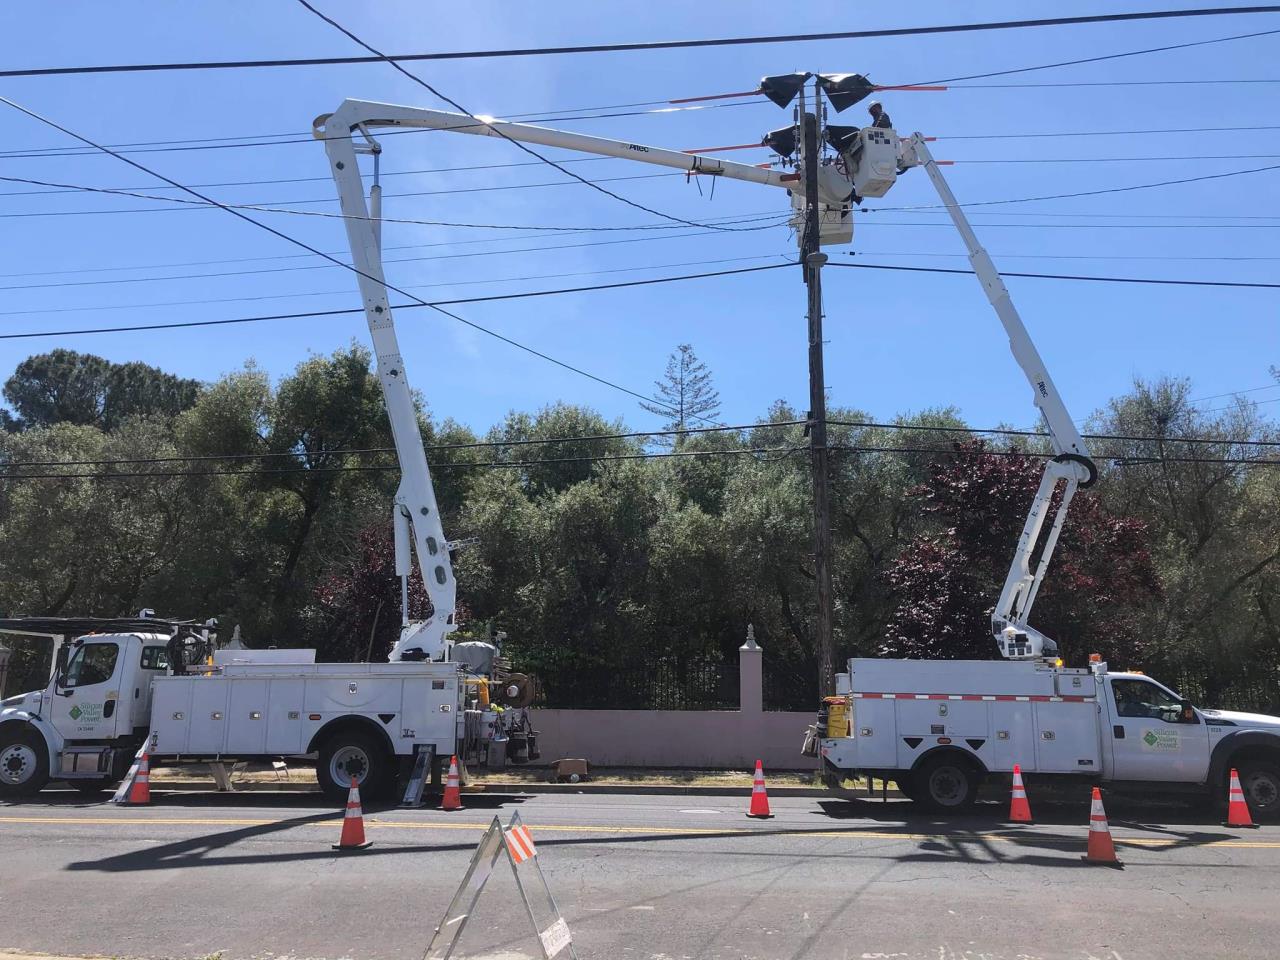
(502, 133)
(1066, 276)
(631, 435)
(934, 452)
(657, 45)
(203, 301)
(1109, 56)
(310, 249)
(1236, 393)
(437, 305)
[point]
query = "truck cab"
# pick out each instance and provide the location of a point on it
(86, 725)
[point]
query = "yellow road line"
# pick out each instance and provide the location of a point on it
(375, 823)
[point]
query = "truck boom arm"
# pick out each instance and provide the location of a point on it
(1071, 466)
(415, 513)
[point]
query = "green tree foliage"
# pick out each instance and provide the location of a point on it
(687, 396)
(606, 570)
(78, 388)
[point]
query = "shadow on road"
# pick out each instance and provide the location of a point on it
(276, 800)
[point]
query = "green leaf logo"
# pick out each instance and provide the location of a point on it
(76, 712)
(1151, 738)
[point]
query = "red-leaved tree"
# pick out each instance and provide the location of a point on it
(356, 609)
(945, 583)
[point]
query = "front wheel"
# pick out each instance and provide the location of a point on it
(946, 784)
(24, 763)
(1260, 783)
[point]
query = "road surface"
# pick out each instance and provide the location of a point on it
(650, 878)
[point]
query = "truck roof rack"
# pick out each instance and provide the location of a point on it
(80, 626)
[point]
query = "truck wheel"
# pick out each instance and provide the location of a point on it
(24, 763)
(945, 783)
(354, 753)
(907, 787)
(1261, 785)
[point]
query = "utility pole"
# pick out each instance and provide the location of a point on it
(812, 258)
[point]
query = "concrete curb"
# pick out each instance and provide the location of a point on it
(637, 789)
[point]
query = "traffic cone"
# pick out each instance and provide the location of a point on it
(1019, 809)
(1101, 848)
(353, 823)
(1237, 808)
(759, 798)
(139, 788)
(452, 793)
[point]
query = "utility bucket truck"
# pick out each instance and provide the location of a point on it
(122, 685)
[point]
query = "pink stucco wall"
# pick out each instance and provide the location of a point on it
(675, 738)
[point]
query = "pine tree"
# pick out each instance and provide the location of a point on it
(686, 396)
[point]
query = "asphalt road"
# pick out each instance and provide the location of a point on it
(636, 877)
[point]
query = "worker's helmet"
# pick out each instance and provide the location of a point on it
(874, 107)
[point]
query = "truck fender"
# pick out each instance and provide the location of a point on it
(952, 748)
(28, 720)
(348, 721)
(1232, 744)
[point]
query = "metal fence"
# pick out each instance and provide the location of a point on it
(1256, 694)
(662, 685)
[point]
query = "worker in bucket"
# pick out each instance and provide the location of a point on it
(878, 117)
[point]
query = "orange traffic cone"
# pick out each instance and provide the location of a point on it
(1019, 809)
(759, 798)
(1101, 848)
(452, 793)
(1237, 808)
(353, 823)
(139, 783)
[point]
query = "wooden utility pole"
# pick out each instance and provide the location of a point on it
(812, 258)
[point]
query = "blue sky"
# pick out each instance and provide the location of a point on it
(897, 342)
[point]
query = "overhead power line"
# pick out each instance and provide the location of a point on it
(630, 435)
(310, 249)
(524, 147)
(661, 44)
(436, 305)
(1066, 276)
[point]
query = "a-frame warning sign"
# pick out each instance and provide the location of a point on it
(517, 842)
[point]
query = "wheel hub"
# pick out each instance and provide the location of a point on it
(347, 763)
(1263, 790)
(946, 785)
(17, 762)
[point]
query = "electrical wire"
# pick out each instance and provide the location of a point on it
(631, 435)
(501, 133)
(674, 44)
(1109, 56)
(1236, 393)
(310, 249)
(436, 305)
(934, 452)
(1066, 276)
(203, 301)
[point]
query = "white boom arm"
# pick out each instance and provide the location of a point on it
(1071, 466)
(415, 514)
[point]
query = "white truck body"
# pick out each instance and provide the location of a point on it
(367, 720)
(907, 717)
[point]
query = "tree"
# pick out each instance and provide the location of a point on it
(685, 392)
(945, 581)
(64, 386)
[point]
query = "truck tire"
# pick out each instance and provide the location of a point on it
(24, 762)
(945, 783)
(1260, 781)
(355, 753)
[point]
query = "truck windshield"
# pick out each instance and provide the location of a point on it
(92, 663)
(1140, 698)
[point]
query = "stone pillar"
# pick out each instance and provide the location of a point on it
(750, 674)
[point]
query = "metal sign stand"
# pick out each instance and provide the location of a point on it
(517, 843)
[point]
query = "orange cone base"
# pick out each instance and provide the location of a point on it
(353, 846)
(1239, 826)
(760, 816)
(1118, 864)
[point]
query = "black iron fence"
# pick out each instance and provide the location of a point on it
(662, 685)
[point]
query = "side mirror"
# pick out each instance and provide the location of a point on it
(60, 668)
